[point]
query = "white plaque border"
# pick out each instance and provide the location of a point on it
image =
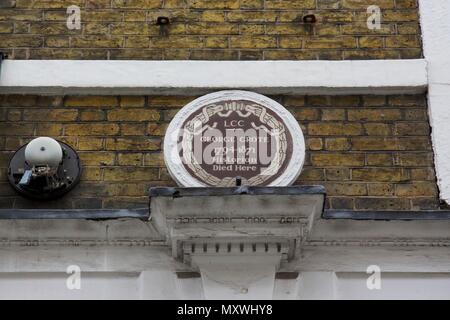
(173, 161)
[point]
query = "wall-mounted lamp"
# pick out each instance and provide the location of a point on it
(44, 169)
(163, 23)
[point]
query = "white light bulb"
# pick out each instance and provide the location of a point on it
(43, 151)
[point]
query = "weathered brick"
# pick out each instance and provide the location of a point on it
(381, 203)
(333, 114)
(132, 101)
(346, 188)
(380, 159)
(337, 144)
(94, 129)
(416, 189)
(133, 129)
(414, 159)
(89, 143)
(16, 129)
(133, 115)
(57, 115)
(412, 129)
(49, 129)
(337, 159)
(130, 159)
(213, 4)
(130, 174)
(155, 129)
(138, 144)
(253, 42)
(374, 114)
(91, 101)
(154, 159)
(378, 129)
(380, 174)
(92, 115)
(290, 4)
(314, 144)
(337, 174)
(136, 4)
(334, 129)
(97, 158)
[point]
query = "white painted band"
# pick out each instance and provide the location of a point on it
(172, 158)
(199, 77)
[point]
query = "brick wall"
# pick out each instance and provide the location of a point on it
(209, 29)
(370, 152)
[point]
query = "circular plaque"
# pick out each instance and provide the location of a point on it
(227, 136)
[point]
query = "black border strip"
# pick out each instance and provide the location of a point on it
(387, 215)
(17, 214)
(242, 190)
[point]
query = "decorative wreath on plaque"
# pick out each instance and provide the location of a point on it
(275, 158)
(270, 124)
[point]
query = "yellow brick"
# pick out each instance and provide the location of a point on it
(370, 42)
(132, 129)
(130, 174)
(20, 41)
(154, 159)
(216, 42)
(337, 159)
(327, 129)
(213, 4)
(253, 42)
(169, 101)
(156, 129)
(212, 16)
(134, 114)
(91, 101)
(130, 159)
(252, 16)
(290, 4)
(362, 4)
(92, 115)
(380, 174)
(49, 129)
(97, 41)
(212, 28)
(48, 4)
(59, 115)
(88, 143)
(136, 144)
(6, 27)
(331, 43)
(97, 129)
(97, 158)
(136, 4)
(132, 101)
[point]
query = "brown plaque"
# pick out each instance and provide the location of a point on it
(238, 136)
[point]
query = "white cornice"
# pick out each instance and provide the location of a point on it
(197, 77)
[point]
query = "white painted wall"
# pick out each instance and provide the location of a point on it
(124, 259)
(159, 285)
(435, 22)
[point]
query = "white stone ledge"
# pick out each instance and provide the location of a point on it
(198, 77)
